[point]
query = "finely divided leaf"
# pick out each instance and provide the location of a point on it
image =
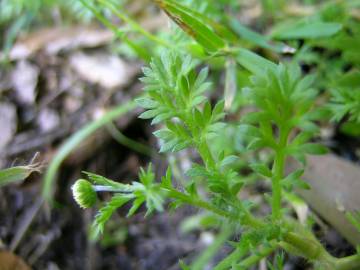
(261, 169)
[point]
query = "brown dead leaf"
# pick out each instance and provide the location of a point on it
(54, 40)
(9, 261)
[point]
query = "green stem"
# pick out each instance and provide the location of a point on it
(278, 173)
(246, 220)
(312, 249)
(137, 27)
(263, 252)
(142, 53)
(128, 142)
(198, 203)
(307, 247)
(276, 185)
(348, 263)
(234, 256)
(203, 149)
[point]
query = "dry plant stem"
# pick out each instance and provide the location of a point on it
(24, 223)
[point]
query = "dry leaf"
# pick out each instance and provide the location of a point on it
(54, 40)
(9, 261)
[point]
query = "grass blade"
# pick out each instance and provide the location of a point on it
(140, 51)
(75, 140)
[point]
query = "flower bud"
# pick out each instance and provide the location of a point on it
(84, 193)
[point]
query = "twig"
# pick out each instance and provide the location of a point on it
(25, 222)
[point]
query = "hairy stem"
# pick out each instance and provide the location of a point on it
(348, 263)
(246, 219)
(276, 185)
(231, 258)
(278, 173)
(307, 247)
(263, 252)
(312, 249)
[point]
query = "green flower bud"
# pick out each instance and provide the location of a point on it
(84, 193)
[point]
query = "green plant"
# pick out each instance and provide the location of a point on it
(175, 98)
(283, 124)
(70, 144)
(331, 39)
(18, 173)
(346, 97)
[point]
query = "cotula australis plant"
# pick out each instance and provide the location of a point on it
(283, 122)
